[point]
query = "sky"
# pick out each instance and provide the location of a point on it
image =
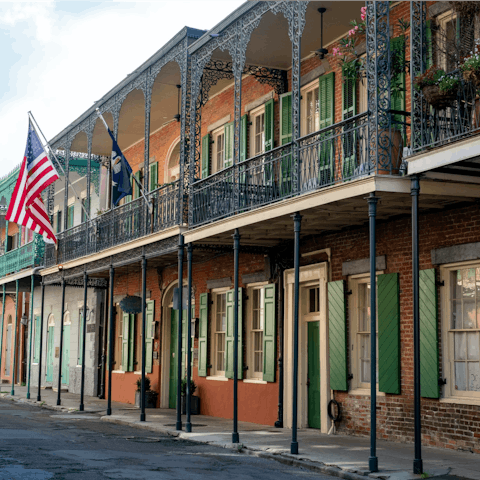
(59, 57)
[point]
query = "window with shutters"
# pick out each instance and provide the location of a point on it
(447, 41)
(219, 332)
(461, 337)
(310, 120)
(256, 322)
(137, 350)
(257, 131)
(218, 150)
(119, 339)
(359, 307)
(80, 337)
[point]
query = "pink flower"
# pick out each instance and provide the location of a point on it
(356, 27)
(363, 16)
(335, 51)
(351, 32)
(363, 10)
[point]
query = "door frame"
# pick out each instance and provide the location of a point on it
(309, 275)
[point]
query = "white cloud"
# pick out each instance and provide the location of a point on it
(66, 61)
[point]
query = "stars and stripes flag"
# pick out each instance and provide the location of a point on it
(36, 173)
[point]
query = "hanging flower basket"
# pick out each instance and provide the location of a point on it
(438, 99)
(131, 304)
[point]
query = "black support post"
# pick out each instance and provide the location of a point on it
(144, 321)
(84, 338)
(14, 371)
(279, 422)
(39, 396)
(110, 350)
(178, 424)
(59, 401)
(297, 222)
(236, 251)
(372, 213)
(30, 335)
(3, 318)
(417, 462)
(188, 425)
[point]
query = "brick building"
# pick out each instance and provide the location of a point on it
(236, 130)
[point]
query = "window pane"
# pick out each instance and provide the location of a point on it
(456, 314)
(460, 346)
(472, 346)
(457, 284)
(469, 313)
(469, 283)
(460, 383)
(474, 376)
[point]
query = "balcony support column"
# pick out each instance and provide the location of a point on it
(378, 86)
(15, 340)
(146, 151)
(84, 338)
(1, 331)
(178, 425)
(42, 306)
(188, 425)
(111, 340)
(67, 175)
(30, 335)
(60, 359)
(144, 322)
(417, 462)
(297, 222)
(236, 252)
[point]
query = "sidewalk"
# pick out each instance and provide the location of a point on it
(339, 455)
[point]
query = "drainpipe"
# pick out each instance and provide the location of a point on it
(280, 314)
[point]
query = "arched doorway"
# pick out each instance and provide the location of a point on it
(50, 347)
(66, 349)
(172, 172)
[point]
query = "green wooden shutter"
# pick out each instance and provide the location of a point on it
(428, 40)
(269, 334)
(136, 188)
(128, 198)
(203, 335)
(36, 352)
(228, 144)
(397, 48)
(80, 343)
(153, 176)
(388, 333)
(349, 110)
(131, 342)
(429, 354)
(285, 118)
(206, 155)
(70, 215)
(243, 137)
(149, 325)
(125, 341)
(269, 125)
(326, 100)
(337, 336)
(229, 335)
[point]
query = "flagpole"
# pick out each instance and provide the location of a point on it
(38, 130)
(140, 186)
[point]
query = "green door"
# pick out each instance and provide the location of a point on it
(66, 355)
(172, 396)
(314, 374)
(50, 346)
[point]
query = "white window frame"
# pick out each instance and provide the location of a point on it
(253, 115)
(450, 394)
(358, 387)
(303, 108)
(218, 374)
(442, 20)
(216, 134)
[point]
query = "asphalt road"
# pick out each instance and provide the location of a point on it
(39, 444)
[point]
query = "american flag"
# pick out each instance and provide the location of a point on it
(36, 173)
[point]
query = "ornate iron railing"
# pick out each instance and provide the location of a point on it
(120, 225)
(332, 155)
(439, 126)
(26, 256)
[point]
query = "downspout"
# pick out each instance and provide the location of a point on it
(280, 316)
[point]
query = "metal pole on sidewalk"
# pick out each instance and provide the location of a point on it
(39, 396)
(188, 425)
(179, 329)
(1, 335)
(144, 321)
(372, 212)
(417, 462)
(59, 401)
(84, 339)
(297, 221)
(236, 248)
(30, 335)
(15, 339)
(110, 350)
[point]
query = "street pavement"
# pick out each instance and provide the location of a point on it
(39, 444)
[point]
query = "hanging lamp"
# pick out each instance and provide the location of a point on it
(321, 52)
(177, 116)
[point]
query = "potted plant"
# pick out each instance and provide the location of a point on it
(440, 89)
(470, 66)
(150, 395)
(194, 401)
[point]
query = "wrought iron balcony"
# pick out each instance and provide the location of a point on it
(26, 256)
(330, 156)
(120, 225)
(438, 126)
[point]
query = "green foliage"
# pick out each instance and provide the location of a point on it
(447, 82)
(147, 384)
(193, 386)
